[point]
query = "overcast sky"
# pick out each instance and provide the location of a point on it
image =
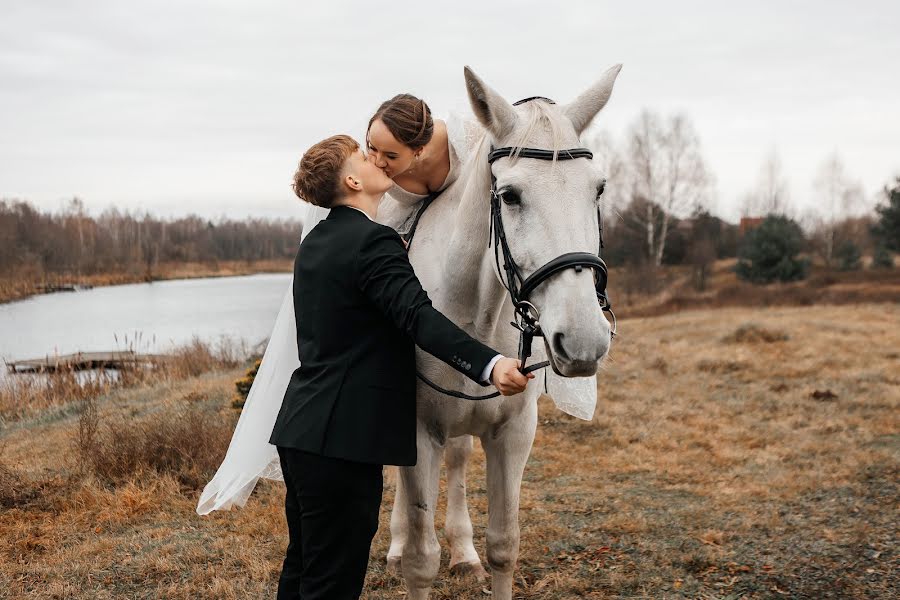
(206, 107)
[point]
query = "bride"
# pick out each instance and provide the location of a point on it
(423, 156)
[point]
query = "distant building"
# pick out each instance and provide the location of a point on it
(748, 223)
(685, 225)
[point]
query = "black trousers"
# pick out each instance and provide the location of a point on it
(332, 515)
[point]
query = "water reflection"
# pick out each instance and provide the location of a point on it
(148, 317)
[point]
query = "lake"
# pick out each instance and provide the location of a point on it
(146, 317)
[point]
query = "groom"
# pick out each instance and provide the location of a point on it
(350, 407)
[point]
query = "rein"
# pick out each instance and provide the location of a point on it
(519, 288)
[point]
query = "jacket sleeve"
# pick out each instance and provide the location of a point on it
(386, 278)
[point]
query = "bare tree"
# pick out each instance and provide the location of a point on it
(838, 196)
(612, 163)
(668, 175)
(73, 243)
(770, 196)
(645, 149)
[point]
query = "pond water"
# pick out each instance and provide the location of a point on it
(145, 317)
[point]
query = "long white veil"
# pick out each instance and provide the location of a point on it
(250, 455)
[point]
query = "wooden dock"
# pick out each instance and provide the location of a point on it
(81, 361)
(51, 288)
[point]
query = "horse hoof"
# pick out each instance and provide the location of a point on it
(393, 565)
(466, 569)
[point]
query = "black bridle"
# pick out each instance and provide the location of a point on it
(520, 288)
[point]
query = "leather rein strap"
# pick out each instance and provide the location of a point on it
(426, 202)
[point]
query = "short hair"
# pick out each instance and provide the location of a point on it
(318, 177)
(407, 118)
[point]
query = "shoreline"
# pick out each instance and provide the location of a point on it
(14, 291)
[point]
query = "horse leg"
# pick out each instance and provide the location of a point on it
(507, 450)
(458, 526)
(399, 526)
(421, 554)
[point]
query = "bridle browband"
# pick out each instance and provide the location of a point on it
(519, 288)
(539, 154)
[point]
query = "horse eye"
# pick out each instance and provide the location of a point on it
(601, 188)
(510, 196)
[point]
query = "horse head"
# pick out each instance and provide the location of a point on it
(548, 209)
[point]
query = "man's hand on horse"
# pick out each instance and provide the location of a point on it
(507, 377)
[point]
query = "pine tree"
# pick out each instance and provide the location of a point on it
(769, 252)
(881, 258)
(848, 256)
(887, 229)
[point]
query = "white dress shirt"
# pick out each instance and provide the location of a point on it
(486, 374)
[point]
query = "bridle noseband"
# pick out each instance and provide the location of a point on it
(520, 288)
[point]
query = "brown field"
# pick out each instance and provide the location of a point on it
(735, 453)
(25, 285)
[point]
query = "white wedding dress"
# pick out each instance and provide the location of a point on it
(250, 456)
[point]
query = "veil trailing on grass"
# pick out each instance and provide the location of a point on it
(250, 455)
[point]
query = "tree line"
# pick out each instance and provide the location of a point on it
(656, 211)
(72, 243)
(659, 193)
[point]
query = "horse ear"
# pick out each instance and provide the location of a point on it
(585, 107)
(492, 110)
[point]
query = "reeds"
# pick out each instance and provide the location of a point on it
(26, 395)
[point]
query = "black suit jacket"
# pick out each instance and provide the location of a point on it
(360, 312)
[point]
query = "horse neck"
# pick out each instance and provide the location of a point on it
(476, 294)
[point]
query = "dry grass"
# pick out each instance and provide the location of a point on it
(184, 441)
(647, 292)
(22, 396)
(712, 469)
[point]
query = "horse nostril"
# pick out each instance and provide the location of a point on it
(558, 347)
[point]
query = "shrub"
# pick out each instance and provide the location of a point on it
(769, 252)
(198, 357)
(882, 258)
(18, 490)
(187, 442)
(750, 333)
(887, 229)
(244, 384)
(13, 491)
(848, 256)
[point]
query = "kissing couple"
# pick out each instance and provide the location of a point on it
(349, 408)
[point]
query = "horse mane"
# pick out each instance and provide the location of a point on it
(539, 113)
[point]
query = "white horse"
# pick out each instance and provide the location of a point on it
(557, 214)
